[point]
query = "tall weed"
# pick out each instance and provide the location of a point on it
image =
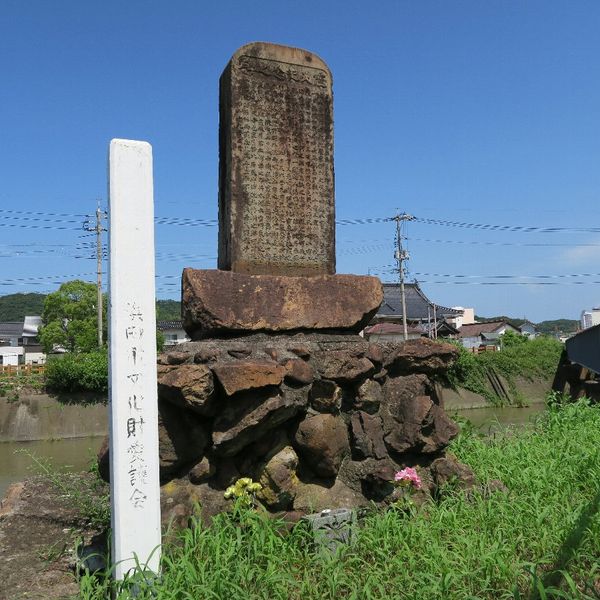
(541, 539)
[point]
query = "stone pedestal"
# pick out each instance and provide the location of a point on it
(226, 303)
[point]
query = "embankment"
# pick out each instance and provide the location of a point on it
(524, 392)
(44, 417)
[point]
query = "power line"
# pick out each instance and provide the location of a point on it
(509, 228)
(510, 282)
(19, 280)
(31, 212)
(39, 227)
(485, 243)
(392, 269)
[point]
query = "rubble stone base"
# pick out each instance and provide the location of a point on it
(321, 421)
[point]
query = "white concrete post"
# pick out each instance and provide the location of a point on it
(135, 488)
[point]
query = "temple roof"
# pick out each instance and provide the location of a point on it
(418, 306)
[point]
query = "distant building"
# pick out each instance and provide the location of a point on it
(589, 318)
(12, 356)
(19, 342)
(528, 329)
(466, 318)
(481, 335)
(419, 308)
(173, 331)
(424, 317)
(11, 333)
(394, 332)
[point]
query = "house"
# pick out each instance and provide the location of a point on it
(528, 329)
(12, 356)
(173, 331)
(394, 332)
(478, 335)
(19, 342)
(421, 312)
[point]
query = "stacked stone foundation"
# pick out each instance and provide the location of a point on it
(321, 421)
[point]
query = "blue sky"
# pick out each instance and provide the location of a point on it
(465, 111)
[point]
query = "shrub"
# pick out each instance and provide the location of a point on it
(520, 357)
(78, 372)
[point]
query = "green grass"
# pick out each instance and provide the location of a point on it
(11, 385)
(519, 357)
(539, 540)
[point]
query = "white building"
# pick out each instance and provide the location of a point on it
(589, 318)
(466, 318)
(173, 331)
(11, 356)
(19, 343)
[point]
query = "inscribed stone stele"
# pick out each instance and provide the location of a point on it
(276, 182)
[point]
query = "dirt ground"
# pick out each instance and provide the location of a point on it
(40, 527)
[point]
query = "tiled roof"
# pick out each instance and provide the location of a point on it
(11, 329)
(418, 306)
(476, 329)
(164, 325)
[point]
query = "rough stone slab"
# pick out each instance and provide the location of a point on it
(247, 418)
(188, 386)
(421, 356)
(344, 366)
(412, 421)
(219, 302)
(367, 436)
(279, 480)
(322, 441)
(276, 183)
(247, 375)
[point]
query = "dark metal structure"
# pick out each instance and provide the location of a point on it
(584, 348)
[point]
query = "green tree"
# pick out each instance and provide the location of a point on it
(160, 340)
(70, 318)
(511, 338)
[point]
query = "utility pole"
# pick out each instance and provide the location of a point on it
(98, 229)
(401, 255)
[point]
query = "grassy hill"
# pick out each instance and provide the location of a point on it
(560, 325)
(546, 327)
(168, 310)
(14, 307)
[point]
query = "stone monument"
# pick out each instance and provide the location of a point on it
(276, 206)
(276, 384)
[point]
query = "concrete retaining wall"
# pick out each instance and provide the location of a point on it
(43, 417)
(534, 392)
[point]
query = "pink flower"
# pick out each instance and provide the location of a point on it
(409, 475)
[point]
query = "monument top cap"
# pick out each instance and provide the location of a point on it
(286, 54)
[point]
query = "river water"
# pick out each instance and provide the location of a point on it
(491, 418)
(70, 455)
(76, 454)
